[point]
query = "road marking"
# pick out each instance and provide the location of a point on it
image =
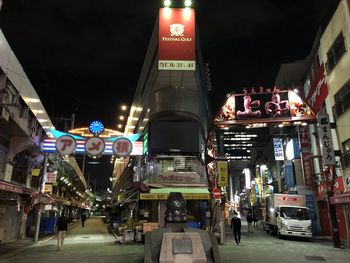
(39, 243)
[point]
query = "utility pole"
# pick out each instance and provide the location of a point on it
(41, 191)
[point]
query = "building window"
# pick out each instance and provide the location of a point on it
(335, 52)
(342, 100)
(346, 155)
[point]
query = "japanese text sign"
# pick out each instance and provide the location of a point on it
(324, 131)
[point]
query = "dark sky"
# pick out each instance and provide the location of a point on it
(86, 56)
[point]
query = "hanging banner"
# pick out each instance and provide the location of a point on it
(177, 39)
(278, 149)
(222, 173)
(324, 132)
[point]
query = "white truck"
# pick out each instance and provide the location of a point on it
(287, 215)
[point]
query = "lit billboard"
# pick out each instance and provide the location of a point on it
(176, 39)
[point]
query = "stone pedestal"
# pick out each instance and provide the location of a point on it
(182, 247)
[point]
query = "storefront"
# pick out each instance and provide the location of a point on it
(197, 204)
(342, 202)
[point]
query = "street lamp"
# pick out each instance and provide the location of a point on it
(188, 3)
(167, 3)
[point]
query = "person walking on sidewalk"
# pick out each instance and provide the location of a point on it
(236, 226)
(62, 225)
(250, 221)
(83, 218)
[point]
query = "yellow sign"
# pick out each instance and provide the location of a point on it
(164, 196)
(222, 173)
(35, 172)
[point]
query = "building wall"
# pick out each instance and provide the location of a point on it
(340, 22)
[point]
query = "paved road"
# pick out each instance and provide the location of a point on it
(94, 244)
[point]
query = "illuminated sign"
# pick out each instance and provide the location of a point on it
(94, 146)
(122, 147)
(177, 39)
(318, 91)
(222, 173)
(278, 149)
(66, 145)
(96, 127)
(263, 105)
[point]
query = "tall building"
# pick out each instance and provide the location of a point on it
(171, 110)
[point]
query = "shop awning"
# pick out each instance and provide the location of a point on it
(187, 193)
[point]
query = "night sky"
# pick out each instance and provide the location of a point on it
(85, 57)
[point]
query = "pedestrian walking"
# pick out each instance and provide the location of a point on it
(62, 225)
(83, 218)
(250, 221)
(236, 226)
(255, 220)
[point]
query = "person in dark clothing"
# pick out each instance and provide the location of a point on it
(62, 226)
(83, 218)
(236, 226)
(255, 220)
(250, 221)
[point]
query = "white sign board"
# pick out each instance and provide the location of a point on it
(324, 132)
(278, 149)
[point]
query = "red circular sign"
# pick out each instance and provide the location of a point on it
(122, 147)
(216, 193)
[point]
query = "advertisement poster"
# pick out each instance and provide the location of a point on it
(177, 39)
(278, 149)
(318, 91)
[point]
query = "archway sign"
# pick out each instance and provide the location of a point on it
(94, 144)
(255, 108)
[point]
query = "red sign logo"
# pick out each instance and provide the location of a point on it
(66, 145)
(318, 91)
(94, 146)
(122, 147)
(177, 39)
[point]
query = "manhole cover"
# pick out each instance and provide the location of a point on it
(85, 237)
(315, 258)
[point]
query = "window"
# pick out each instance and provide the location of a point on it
(346, 156)
(342, 100)
(335, 52)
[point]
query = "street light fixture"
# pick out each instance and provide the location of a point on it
(167, 3)
(188, 3)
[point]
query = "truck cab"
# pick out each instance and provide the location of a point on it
(293, 221)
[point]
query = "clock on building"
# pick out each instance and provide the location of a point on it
(96, 127)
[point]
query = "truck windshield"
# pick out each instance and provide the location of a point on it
(295, 213)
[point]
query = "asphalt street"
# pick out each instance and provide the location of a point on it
(93, 243)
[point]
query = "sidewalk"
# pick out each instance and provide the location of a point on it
(17, 246)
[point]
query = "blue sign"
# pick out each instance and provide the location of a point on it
(289, 174)
(96, 127)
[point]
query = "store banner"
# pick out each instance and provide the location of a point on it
(51, 177)
(35, 172)
(222, 173)
(318, 91)
(324, 133)
(308, 168)
(177, 49)
(289, 174)
(48, 189)
(278, 149)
